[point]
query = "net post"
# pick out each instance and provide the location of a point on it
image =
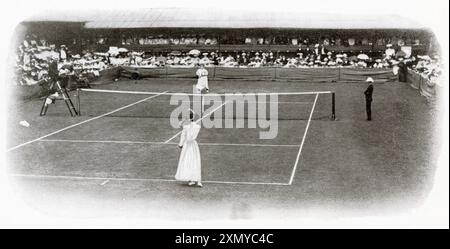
(333, 106)
(78, 102)
(201, 105)
(339, 74)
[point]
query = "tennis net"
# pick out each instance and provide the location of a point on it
(136, 104)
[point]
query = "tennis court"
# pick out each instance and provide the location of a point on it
(123, 146)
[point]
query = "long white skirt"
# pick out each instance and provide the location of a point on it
(189, 166)
(202, 83)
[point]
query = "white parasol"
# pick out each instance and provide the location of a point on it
(363, 57)
(194, 52)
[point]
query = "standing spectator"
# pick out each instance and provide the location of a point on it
(402, 71)
(63, 53)
(390, 52)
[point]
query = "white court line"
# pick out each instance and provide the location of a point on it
(85, 121)
(101, 141)
(163, 143)
(200, 94)
(104, 182)
(251, 102)
(303, 141)
(104, 179)
(211, 112)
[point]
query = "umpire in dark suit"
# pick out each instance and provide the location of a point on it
(368, 93)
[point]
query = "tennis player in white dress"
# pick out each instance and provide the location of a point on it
(202, 82)
(189, 165)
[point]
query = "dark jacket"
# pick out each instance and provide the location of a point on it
(53, 70)
(369, 92)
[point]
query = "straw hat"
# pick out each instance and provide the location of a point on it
(369, 79)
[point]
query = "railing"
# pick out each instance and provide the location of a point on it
(265, 73)
(430, 90)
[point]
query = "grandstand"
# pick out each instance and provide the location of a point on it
(99, 30)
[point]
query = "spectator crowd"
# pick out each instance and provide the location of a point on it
(203, 39)
(34, 56)
(429, 68)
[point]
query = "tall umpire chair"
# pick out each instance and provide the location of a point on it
(60, 93)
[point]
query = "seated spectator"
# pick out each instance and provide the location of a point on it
(33, 55)
(201, 41)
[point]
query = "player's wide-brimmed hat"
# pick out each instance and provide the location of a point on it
(369, 79)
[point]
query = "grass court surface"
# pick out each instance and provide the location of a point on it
(123, 164)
